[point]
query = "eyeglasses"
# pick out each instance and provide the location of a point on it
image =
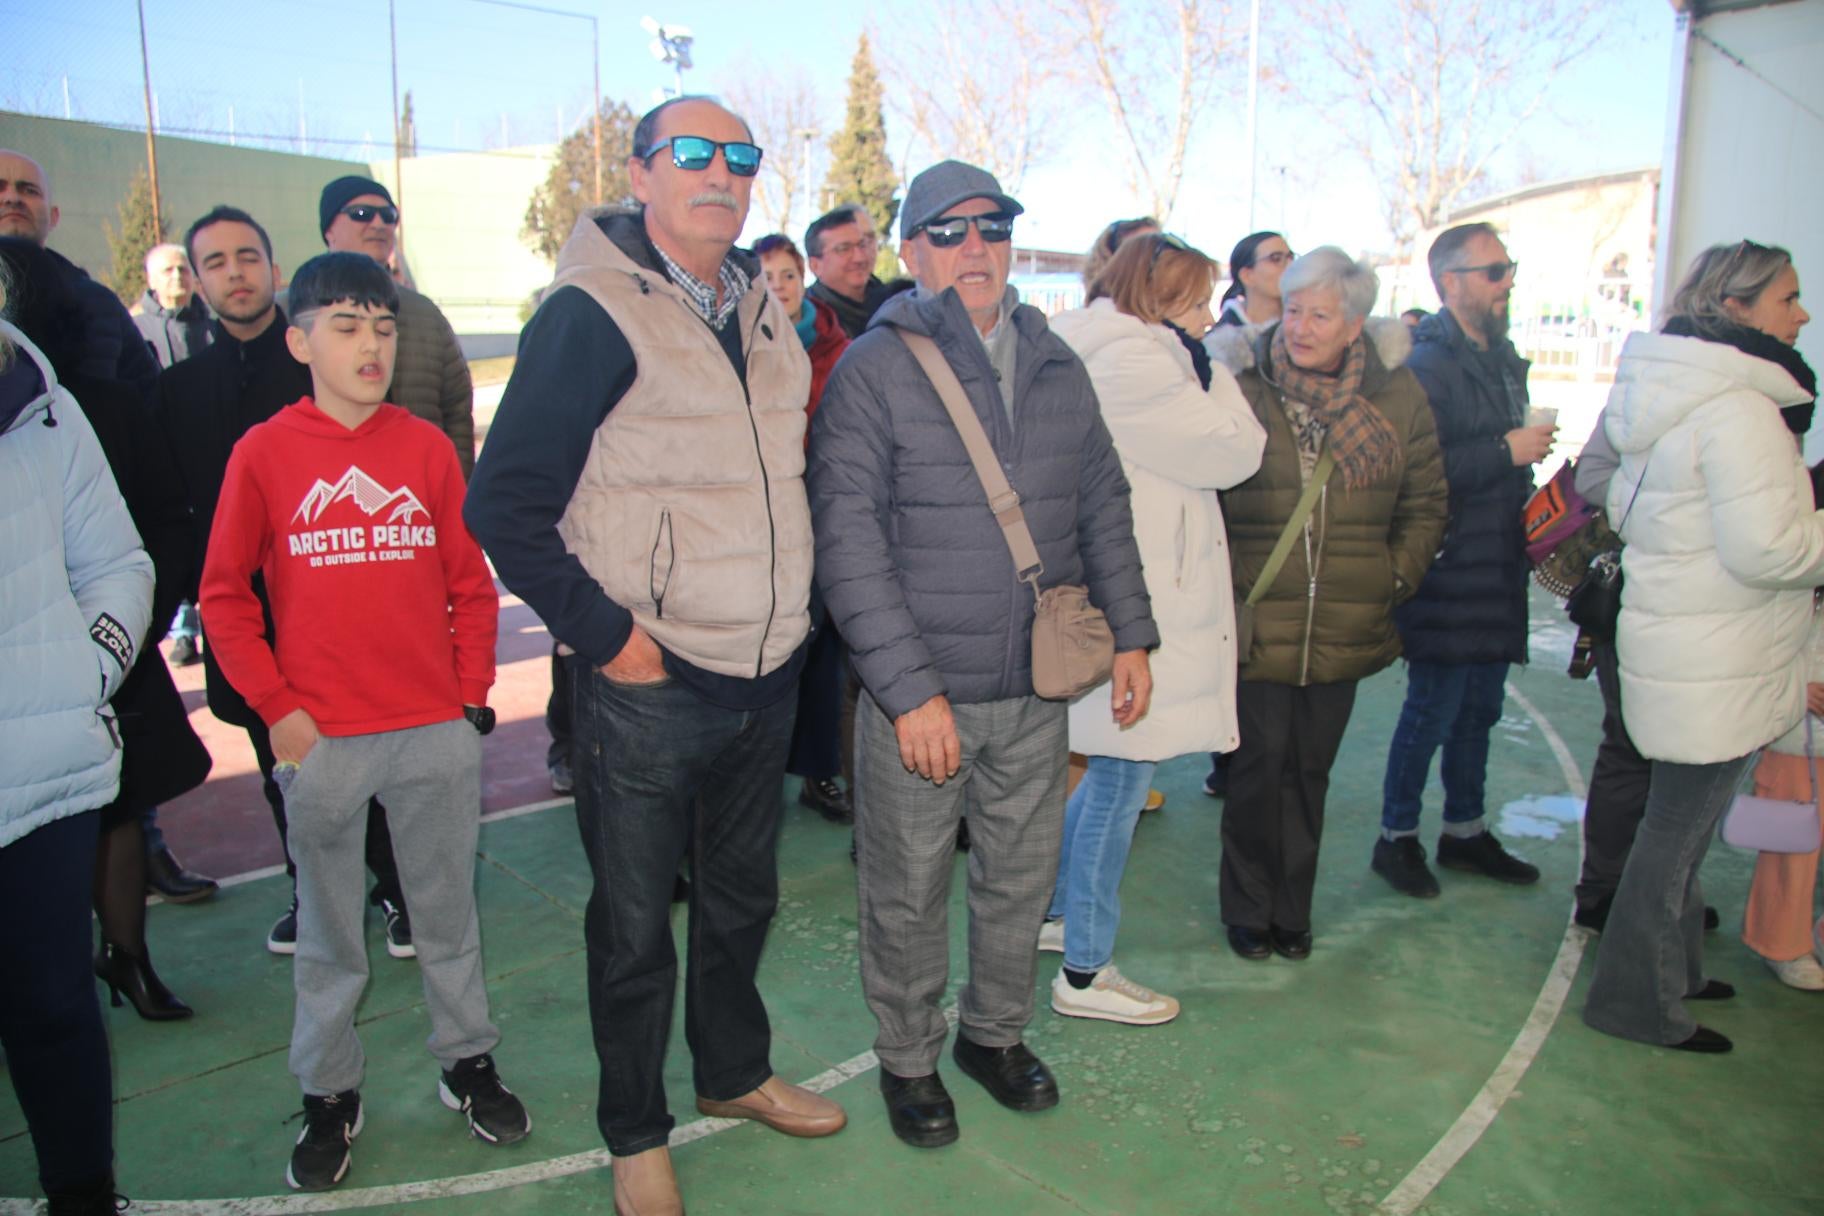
(365, 213)
(694, 153)
(953, 230)
(1494, 272)
(1278, 257)
(869, 243)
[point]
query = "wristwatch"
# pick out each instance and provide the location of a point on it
(481, 717)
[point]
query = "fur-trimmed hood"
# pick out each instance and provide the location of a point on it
(1242, 347)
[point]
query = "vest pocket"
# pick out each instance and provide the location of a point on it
(664, 558)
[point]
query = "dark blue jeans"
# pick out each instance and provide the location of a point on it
(662, 777)
(1456, 705)
(50, 1021)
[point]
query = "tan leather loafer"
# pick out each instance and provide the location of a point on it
(644, 1185)
(782, 1106)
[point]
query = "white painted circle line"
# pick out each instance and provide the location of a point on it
(1476, 1118)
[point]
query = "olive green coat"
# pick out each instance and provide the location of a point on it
(1328, 616)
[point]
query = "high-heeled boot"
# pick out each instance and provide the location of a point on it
(132, 977)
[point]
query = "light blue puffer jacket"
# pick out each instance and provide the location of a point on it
(75, 594)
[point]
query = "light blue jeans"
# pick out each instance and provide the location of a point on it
(1099, 823)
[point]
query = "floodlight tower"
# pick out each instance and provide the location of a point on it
(670, 44)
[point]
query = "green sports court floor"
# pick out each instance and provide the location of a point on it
(1427, 1059)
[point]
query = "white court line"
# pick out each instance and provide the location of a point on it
(1476, 1118)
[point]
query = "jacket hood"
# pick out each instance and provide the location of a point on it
(28, 385)
(616, 238)
(1099, 323)
(1389, 344)
(304, 417)
(1661, 378)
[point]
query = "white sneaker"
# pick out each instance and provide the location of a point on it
(1112, 997)
(1051, 936)
(1801, 972)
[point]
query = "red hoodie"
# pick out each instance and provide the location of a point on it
(383, 606)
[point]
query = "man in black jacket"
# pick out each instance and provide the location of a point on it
(1467, 623)
(841, 246)
(241, 379)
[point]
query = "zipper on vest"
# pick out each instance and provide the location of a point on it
(656, 588)
(766, 488)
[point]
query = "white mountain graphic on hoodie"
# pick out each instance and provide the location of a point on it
(368, 494)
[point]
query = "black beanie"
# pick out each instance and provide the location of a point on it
(337, 194)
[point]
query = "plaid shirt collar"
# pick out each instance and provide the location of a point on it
(734, 281)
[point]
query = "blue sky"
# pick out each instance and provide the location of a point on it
(483, 75)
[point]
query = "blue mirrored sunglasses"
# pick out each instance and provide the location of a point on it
(694, 153)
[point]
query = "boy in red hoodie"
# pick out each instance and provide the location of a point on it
(386, 614)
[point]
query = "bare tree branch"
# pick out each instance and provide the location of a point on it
(784, 112)
(1440, 86)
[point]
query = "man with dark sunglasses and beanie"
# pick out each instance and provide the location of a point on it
(1467, 622)
(431, 379)
(642, 490)
(921, 583)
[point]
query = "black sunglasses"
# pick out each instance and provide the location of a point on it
(1162, 241)
(694, 153)
(363, 213)
(1494, 272)
(953, 230)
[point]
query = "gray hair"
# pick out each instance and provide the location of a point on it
(1442, 259)
(1328, 266)
(1739, 271)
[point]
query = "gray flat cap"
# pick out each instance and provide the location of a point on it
(942, 187)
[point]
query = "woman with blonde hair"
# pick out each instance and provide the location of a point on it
(1723, 546)
(1184, 433)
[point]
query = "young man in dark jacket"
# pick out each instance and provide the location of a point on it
(920, 582)
(1467, 623)
(206, 403)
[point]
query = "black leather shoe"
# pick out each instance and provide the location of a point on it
(166, 875)
(1294, 944)
(1712, 920)
(1483, 854)
(1402, 863)
(1015, 1077)
(131, 977)
(827, 799)
(1593, 918)
(920, 1109)
(1713, 990)
(1251, 944)
(1705, 1040)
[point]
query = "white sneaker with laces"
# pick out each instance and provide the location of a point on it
(1051, 937)
(1801, 972)
(1112, 997)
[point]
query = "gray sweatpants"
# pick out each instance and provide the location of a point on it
(429, 779)
(1011, 786)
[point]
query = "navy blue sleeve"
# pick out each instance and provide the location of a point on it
(574, 364)
(1471, 462)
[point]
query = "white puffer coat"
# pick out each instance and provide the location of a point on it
(75, 597)
(1178, 445)
(1723, 548)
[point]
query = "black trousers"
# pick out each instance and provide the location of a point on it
(1273, 819)
(379, 836)
(557, 712)
(817, 751)
(1618, 793)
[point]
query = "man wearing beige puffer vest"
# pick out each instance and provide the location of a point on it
(643, 491)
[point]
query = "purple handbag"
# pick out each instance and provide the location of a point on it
(1777, 825)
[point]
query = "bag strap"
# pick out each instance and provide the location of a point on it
(1003, 499)
(1282, 548)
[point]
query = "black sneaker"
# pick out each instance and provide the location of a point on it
(322, 1155)
(1483, 854)
(474, 1088)
(284, 936)
(184, 652)
(398, 930)
(826, 798)
(1402, 863)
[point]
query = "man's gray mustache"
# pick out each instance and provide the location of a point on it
(714, 198)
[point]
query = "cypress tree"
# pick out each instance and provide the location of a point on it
(138, 233)
(860, 169)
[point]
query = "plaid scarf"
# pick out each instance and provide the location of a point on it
(1364, 442)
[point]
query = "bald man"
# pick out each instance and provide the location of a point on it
(112, 348)
(172, 317)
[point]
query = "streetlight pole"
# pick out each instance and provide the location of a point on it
(145, 67)
(392, 29)
(1253, 91)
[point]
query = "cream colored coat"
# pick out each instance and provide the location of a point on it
(1178, 445)
(1723, 548)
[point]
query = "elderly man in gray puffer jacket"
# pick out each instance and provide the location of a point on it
(920, 582)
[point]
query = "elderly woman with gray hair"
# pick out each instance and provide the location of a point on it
(1336, 528)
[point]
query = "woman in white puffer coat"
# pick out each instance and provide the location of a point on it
(1183, 431)
(1723, 549)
